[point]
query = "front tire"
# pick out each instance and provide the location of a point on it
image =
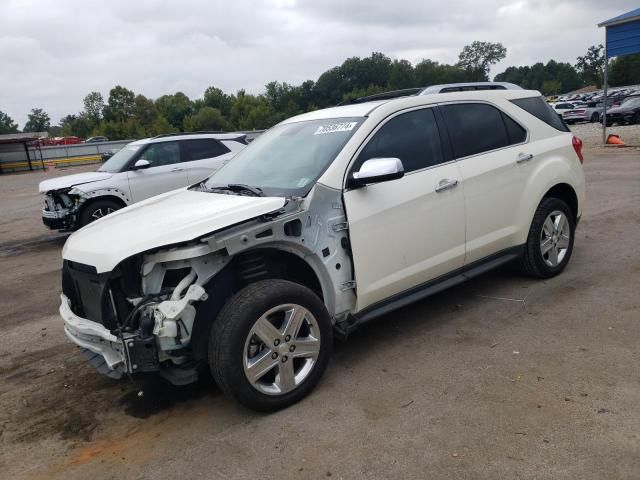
(550, 240)
(97, 209)
(270, 344)
(595, 117)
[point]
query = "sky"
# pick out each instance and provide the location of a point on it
(53, 53)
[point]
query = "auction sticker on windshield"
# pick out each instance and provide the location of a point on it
(335, 127)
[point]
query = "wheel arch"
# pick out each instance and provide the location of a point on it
(247, 267)
(566, 193)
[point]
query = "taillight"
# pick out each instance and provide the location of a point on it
(577, 146)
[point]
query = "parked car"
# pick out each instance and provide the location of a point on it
(625, 114)
(590, 112)
(140, 170)
(96, 139)
(328, 220)
(561, 107)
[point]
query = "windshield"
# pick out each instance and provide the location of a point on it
(631, 102)
(288, 159)
(116, 163)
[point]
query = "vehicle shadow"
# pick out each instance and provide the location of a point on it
(152, 394)
(414, 320)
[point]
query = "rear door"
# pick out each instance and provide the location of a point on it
(408, 231)
(166, 172)
(495, 161)
(203, 156)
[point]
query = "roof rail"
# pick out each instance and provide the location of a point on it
(444, 88)
(199, 132)
(406, 92)
(470, 86)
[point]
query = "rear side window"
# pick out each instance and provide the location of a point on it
(413, 137)
(474, 128)
(198, 149)
(516, 133)
(540, 109)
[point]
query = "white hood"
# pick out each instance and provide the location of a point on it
(71, 180)
(173, 217)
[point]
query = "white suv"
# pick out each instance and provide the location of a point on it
(328, 220)
(142, 169)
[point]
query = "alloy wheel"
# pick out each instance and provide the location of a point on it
(101, 212)
(555, 238)
(281, 349)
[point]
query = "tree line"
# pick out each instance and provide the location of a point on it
(126, 114)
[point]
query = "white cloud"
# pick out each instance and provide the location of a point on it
(50, 57)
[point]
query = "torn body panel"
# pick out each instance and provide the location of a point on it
(61, 209)
(159, 322)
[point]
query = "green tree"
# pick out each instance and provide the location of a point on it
(7, 125)
(93, 107)
(250, 112)
(175, 108)
(401, 75)
(625, 70)
(37, 121)
(591, 65)
(429, 72)
(120, 105)
(551, 87)
(216, 98)
(145, 111)
(478, 57)
(160, 126)
(535, 76)
(207, 118)
(78, 125)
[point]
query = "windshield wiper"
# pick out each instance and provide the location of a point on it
(239, 187)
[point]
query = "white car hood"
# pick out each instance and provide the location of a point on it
(71, 180)
(173, 217)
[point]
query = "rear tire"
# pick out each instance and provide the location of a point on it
(97, 209)
(270, 344)
(550, 240)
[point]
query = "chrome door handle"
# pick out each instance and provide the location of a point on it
(177, 169)
(524, 157)
(446, 184)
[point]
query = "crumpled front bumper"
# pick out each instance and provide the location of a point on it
(57, 219)
(93, 337)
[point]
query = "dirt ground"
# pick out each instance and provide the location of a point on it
(502, 377)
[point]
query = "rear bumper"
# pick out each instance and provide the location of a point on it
(92, 336)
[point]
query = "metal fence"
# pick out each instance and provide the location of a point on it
(14, 158)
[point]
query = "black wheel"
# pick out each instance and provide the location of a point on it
(97, 209)
(636, 119)
(270, 344)
(550, 241)
(595, 117)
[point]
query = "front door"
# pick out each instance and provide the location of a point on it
(409, 231)
(166, 172)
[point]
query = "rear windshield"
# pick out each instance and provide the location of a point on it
(540, 109)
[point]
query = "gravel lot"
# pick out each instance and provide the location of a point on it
(591, 135)
(502, 377)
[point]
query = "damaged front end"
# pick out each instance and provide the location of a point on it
(140, 317)
(60, 208)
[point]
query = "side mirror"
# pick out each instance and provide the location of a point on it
(376, 170)
(141, 164)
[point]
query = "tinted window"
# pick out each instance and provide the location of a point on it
(164, 153)
(412, 137)
(474, 128)
(537, 107)
(516, 133)
(203, 148)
